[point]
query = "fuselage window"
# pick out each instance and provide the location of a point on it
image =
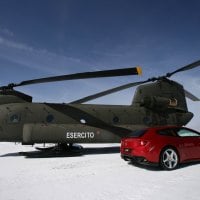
(15, 118)
(116, 119)
(49, 118)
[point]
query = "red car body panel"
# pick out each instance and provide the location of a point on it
(149, 145)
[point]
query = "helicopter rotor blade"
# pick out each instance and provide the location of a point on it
(191, 96)
(187, 67)
(84, 75)
(107, 92)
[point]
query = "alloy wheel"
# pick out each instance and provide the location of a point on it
(169, 159)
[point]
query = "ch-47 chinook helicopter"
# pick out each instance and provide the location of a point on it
(157, 101)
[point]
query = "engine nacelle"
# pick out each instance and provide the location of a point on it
(158, 103)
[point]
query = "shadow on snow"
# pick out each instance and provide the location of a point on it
(52, 153)
(158, 168)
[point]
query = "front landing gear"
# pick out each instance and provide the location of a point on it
(63, 147)
(74, 148)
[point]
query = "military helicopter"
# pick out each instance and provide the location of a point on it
(157, 101)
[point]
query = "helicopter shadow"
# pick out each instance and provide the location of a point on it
(54, 154)
(11, 154)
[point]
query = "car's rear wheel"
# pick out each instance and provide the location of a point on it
(169, 159)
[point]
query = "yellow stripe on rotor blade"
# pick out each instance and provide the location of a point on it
(139, 70)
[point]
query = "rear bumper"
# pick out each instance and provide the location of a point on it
(138, 159)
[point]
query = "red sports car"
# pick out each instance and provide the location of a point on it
(164, 146)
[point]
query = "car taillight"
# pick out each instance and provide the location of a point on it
(143, 142)
(127, 150)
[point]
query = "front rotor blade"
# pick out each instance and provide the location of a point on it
(84, 75)
(107, 92)
(191, 96)
(187, 67)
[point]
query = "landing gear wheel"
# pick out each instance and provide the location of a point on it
(45, 148)
(75, 148)
(62, 147)
(169, 159)
(71, 148)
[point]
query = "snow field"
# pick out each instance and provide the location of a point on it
(90, 176)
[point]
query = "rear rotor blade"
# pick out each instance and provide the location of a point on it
(107, 92)
(84, 75)
(187, 67)
(191, 96)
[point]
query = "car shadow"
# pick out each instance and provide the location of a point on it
(53, 153)
(158, 168)
(188, 164)
(146, 167)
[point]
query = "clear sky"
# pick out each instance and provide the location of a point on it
(53, 37)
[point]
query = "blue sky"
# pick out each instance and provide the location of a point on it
(47, 37)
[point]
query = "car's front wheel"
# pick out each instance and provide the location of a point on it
(169, 159)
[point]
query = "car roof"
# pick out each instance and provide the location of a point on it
(168, 127)
(162, 127)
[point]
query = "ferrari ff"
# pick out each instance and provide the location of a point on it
(164, 146)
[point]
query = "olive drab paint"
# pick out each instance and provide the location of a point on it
(157, 102)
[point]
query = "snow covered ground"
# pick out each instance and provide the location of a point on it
(98, 174)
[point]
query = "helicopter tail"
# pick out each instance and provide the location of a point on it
(166, 99)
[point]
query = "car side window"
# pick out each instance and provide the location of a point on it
(167, 132)
(187, 133)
